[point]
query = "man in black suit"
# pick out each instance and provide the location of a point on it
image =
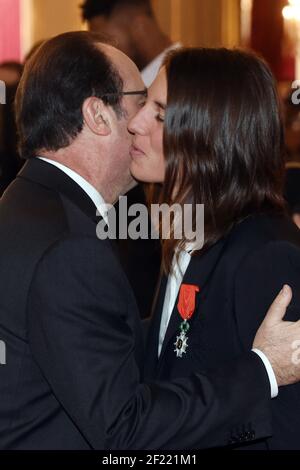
(69, 321)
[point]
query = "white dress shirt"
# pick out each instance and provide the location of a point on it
(92, 192)
(173, 285)
(150, 72)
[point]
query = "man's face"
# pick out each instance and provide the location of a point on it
(121, 138)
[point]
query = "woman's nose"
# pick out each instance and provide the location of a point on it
(136, 124)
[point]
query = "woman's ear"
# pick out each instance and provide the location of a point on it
(96, 116)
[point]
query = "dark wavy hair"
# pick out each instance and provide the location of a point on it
(57, 79)
(223, 139)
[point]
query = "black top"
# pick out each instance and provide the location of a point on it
(238, 279)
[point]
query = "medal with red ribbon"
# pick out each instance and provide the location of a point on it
(186, 307)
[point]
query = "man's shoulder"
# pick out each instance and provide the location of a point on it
(37, 219)
(31, 212)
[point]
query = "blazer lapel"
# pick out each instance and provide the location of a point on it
(198, 272)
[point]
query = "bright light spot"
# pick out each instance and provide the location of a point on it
(288, 13)
(294, 3)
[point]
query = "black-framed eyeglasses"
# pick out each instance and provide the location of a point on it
(124, 93)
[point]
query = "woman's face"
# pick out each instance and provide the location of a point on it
(148, 163)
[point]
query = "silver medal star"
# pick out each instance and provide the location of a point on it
(181, 344)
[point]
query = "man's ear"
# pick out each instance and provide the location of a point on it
(96, 116)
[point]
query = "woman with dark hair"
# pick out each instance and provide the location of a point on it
(211, 133)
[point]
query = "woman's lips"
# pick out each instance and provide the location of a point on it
(136, 152)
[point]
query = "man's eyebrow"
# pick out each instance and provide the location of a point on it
(143, 92)
(160, 105)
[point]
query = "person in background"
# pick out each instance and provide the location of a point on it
(132, 25)
(10, 162)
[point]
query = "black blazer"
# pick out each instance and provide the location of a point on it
(74, 344)
(292, 188)
(238, 279)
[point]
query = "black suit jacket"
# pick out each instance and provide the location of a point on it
(238, 279)
(73, 378)
(292, 188)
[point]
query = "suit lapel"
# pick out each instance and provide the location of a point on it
(198, 272)
(153, 335)
(53, 178)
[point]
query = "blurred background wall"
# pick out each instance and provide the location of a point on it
(200, 22)
(193, 22)
(51, 17)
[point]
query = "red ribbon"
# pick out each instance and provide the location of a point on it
(187, 300)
